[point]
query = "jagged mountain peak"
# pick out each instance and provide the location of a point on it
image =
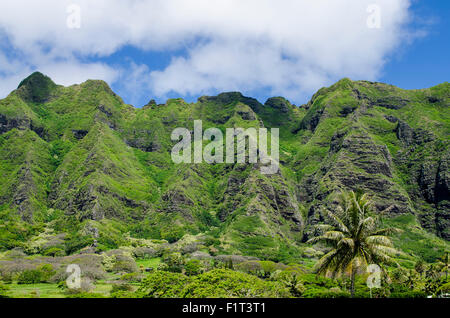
(231, 97)
(36, 78)
(36, 88)
(280, 103)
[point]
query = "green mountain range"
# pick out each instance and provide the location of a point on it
(80, 169)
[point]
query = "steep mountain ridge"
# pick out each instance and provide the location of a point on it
(77, 156)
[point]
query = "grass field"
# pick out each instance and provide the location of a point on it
(149, 263)
(35, 291)
(50, 290)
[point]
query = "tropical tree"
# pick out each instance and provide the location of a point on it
(420, 267)
(411, 279)
(398, 275)
(432, 279)
(443, 265)
(432, 273)
(356, 238)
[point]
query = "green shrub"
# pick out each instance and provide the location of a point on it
(132, 277)
(175, 262)
(46, 272)
(409, 294)
(124, 264)
(193, 267)
(31, 276)
(172, 234)
(144, 253)
(76, 242)
(445, 289)
(54, 251)
(327, 293)
(291, 280)
(219, 283)
(3, 290)
(41, 274)
(211, 241)
(224, 283)
(125, 294)
(6, 277)
(250, 267)
(164, 285)
(268, 267)
(86, 295)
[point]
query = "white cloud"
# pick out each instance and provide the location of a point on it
(74, 72)
(65, 72)
(289, 47)
(135, 82)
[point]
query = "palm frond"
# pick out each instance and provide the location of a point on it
(348, 242)
(324, 263)
(387, 231)
(327, 240)
(337, 222)
(379, 240)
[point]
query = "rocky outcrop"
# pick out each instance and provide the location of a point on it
(79, 133)
(442, 188)
(24, 193)
(410, 136)
(441, 196)
(21, 123)
(279, 103)
(405, 133)
(365, 154)
(267, 197)
(427, 180)
(6, 124)
(358, 164)
(347, 110)
(176, 199)
(144, 144)
(312, 120)
(245, 112)
(390, 102)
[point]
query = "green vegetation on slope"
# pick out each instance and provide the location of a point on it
(83, 172)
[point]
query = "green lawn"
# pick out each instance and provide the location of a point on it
(35, 291)
(49, 290)
(149, 263)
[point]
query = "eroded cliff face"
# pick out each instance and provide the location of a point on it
(384, 141)
(81, 151)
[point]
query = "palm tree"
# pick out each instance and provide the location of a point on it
(420, 267)
(410, 279)
(432, 278)
(432, 272)
(398, 275)
(443, 265)
(355, 239)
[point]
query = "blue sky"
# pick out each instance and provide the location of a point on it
(425, 62)
(159, 49)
